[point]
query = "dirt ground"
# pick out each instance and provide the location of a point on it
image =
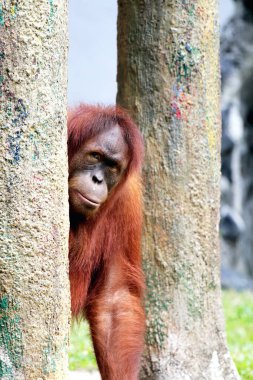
(82, 375)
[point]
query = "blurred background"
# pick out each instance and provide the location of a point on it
(92, 79)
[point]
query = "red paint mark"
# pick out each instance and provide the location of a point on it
(181, 105)
(176, 110)
(39, 179)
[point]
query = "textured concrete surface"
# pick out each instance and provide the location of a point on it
(34, 211)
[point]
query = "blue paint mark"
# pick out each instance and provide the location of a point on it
(177, 90)
(188, 47)
(21, 110)
(14, 146)
(17, 122)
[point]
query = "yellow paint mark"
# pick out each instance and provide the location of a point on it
(13, 10)
(212, 138)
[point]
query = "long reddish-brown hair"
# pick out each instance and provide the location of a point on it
(117, 225)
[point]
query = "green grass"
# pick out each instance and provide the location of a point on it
(238, 308)
(81, 351)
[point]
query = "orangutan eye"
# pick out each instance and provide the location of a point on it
(95, 156)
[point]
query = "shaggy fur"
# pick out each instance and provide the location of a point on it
(105, 260)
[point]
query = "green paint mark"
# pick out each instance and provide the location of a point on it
(191, 10)
(52, 354)
(4, 304)
(1, 15)
(212, 285)
(189, 7)
(8, 108)
(52, 13)
(51, 3)
(184, 62)
(8, 13)
(1, 84)
(185, 275)
(48, 359)
(156, 302)
(10, 338)
(36, 143)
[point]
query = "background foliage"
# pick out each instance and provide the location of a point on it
(238, 308)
